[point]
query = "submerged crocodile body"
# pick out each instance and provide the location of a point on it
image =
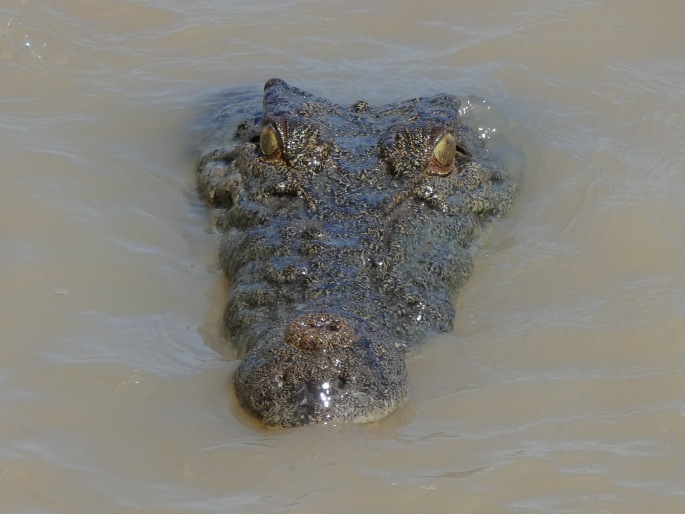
(345, 233)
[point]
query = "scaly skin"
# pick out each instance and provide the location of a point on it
(345, 234)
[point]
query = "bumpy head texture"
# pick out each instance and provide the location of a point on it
(345, 235)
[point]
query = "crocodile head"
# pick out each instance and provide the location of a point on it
(345, 235)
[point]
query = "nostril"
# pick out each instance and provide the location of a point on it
(341, 382)
(332, 327)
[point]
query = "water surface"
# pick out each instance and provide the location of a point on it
(562, 387)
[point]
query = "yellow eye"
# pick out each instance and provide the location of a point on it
(270, 142)
(445, 151)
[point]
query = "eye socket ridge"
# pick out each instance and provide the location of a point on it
(293, 143)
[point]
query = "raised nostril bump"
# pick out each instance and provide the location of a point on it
(319, 332)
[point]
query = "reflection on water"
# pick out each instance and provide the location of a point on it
(560, 389)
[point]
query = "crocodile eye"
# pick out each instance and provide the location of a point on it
(270, 142)
(445, 152)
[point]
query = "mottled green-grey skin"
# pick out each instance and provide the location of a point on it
(345, 234)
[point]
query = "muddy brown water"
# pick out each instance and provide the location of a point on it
(562, 387)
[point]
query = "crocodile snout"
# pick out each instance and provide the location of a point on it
(325, 368)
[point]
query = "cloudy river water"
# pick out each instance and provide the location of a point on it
(562, 387)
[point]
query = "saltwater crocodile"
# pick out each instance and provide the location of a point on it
(345, 234)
